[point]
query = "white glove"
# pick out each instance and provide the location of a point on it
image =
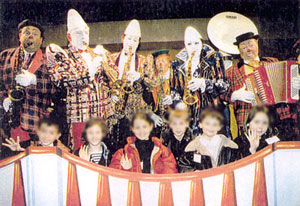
(167, 100)
(26, 78)
(132, 76)
(6, 103)
(157, 120)
(243, 95)
(296, 82)
(197, 83)
(114, 98)
(99, 50)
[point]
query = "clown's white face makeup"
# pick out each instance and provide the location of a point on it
(130, 41)
(193, 45)
(80, 38)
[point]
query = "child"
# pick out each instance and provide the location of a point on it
(179, 134)
(257, 132)
(142, 153)
(48, 133)
(209, 149)
(94, 149)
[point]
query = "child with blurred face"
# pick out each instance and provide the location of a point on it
(94, 149)
(48, 134)
(137, 155)
(258, 132)
(179, 134)
(210, 149)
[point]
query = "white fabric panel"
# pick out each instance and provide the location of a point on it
(87, 182)
(6, 182)
(118, 190)
(149, 193)
(244, 181)
(181, 192)
(287, 177)
(44, 179)
(212, 187)
(269, 165)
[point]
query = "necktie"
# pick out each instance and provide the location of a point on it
(26, 61)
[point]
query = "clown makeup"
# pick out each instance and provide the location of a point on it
(30, 39)
(130, 41)
(80, 38)
(193, 45)
(249, 49)
(163, 63)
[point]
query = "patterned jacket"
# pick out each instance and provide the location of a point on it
(135, 101)
(211, 68)
(85, 98)
(38, 97)
(236, 77)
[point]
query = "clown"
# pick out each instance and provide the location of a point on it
(207, 70)
(137, 70)
(85, 74)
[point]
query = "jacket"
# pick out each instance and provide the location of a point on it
(162, 159)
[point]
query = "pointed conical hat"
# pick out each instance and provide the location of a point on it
(75, 21)
(191, 34)
(224, 27)
(133, 28)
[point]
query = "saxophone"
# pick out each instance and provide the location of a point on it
(122, 88)
(188, 97)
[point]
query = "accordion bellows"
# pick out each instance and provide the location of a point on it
(272, 83)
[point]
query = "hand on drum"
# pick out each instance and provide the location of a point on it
(126, 163)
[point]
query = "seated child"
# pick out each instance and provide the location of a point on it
(257, 132)
(209, 149)
(94, 149)
(179, 134)
(48, 134)
(142, 153)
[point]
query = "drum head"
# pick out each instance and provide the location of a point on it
(224, 27)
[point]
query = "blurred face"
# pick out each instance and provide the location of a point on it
(141, 129)
(178, 126)
(30, 39)
(210, 126)
(163, 63)
(48, 134)
(94, 135)
(130, 41)
(79, 38)
(193, 45)
(259, 123)
(249, 49)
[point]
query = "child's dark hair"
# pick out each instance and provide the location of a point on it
(213, 113)
(257, 109)
(142, 115)
(49, 122)
(92, 122)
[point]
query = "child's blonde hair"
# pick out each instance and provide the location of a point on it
(179, 114)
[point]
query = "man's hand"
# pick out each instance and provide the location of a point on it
(26, 78)
(167, 100)
(6, 104)
(243, 95)
(83, 153)
(157, 120)
(197, 83)
(13, 145)
(126, 163)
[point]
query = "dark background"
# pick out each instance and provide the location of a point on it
(277, 19)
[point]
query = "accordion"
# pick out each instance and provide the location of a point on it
(272, 83)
